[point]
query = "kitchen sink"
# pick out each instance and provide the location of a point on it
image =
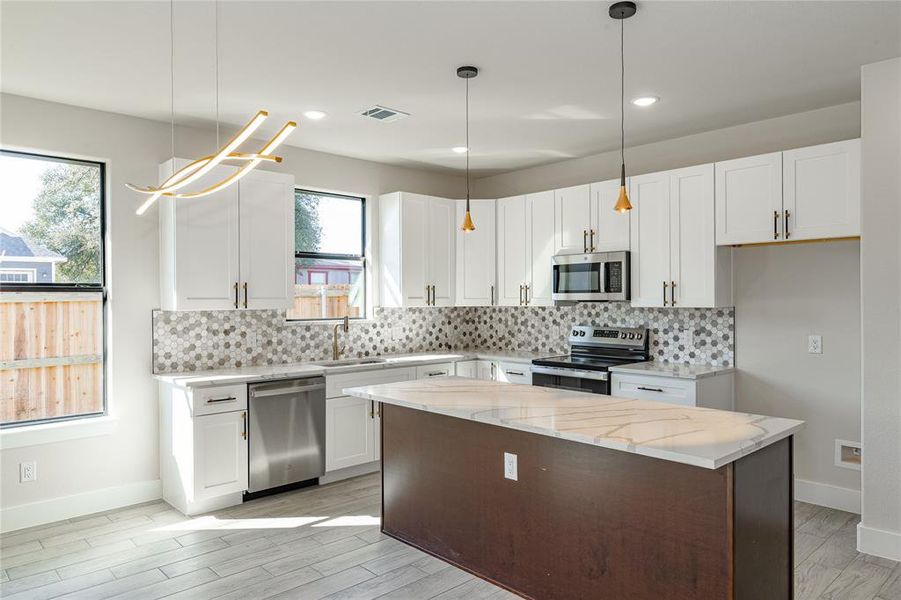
(347, 362)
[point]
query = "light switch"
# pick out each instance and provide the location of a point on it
(510, 467)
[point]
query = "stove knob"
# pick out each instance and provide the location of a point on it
(582, 333)
(631, 336)
(575, 332)
(639, 336)
(622, 336)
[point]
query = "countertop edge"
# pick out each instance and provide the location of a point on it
(663, 372)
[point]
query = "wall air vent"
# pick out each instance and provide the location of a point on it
(384, 114)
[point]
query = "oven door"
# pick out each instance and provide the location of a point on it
(591, 277)
(594, 382)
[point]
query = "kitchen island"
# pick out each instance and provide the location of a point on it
(558, 494)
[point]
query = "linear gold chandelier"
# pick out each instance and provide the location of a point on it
(229, 152)
(197, 169)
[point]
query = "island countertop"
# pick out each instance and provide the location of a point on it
(702, 437)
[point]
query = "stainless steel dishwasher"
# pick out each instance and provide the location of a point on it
(287, 433)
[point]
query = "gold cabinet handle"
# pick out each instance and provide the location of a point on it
(665, 285)
(371, 409)
(491, 297)
(591, 237)
(433, 296)
(520, 294)
(245, 294)
(244, 422)
(787, 215)
(584, 240)
(672, 293)
(236, 294)
(775, 224)
(527, 294)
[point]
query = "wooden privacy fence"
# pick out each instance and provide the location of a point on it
(330, 301)
(51, 355)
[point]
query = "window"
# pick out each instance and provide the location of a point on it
(330, 262)
(52, 290)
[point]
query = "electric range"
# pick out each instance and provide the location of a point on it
(592, 351)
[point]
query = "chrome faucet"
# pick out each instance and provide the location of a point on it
(344, 325)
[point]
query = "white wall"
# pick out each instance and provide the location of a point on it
(782, 295)
(880, 529)
(127, 459)
(792, 131)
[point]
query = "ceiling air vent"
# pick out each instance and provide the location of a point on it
(384, 114)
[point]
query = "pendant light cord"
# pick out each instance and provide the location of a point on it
(467, 144)
(622, 91)
(172, 76)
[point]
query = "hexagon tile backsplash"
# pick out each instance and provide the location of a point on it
(219, 339)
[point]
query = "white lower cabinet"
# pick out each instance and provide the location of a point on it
(493, 370)
(707, 392)
(220, 454)
(438, 370)
(352, 424)
(203, 446)
(513, 373)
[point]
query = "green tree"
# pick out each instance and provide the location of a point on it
(307, 230)
(67, 220)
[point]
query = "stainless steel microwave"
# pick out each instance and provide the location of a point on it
(595, 277)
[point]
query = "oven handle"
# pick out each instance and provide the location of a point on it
(596, 375)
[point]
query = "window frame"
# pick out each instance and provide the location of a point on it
(338, 256)
(53, 288)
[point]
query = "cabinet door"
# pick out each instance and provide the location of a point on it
(749, 200)
(413, 247)
(349, 432)
(572, 207)
(650, 239)
(486, 370)
(692, 237)
(540, 240)
(220, 454)
(266, 202)
(476, 285)
(611, 229)
(440, 249)
(514, 373)
(204, 247)
(512, 251)
(821, 191)
(467, 368)
(439, 370)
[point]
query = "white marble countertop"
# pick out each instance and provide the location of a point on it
(307, 369)
(702, 437)
(662, 369)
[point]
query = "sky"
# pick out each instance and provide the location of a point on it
(20, 181)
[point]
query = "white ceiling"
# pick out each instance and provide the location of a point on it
(548, 88)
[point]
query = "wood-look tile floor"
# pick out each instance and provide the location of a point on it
(325, 543)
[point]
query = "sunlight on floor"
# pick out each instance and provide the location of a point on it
(350, 521)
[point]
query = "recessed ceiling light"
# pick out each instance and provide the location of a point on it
(314, 115)
(645, 100)
(460, 149)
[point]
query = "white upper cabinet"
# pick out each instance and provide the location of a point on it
(611, 229)
(525, 247)
(675, 261)
(650, 239)
(540, 242)
(266, 232)
(513, 258)
(572, 207)
(476, 285)
(802, 194)
(821, 191)
(749, 199)
(211, 246)
(417, 250)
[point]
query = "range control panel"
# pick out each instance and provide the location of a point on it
(608, 336)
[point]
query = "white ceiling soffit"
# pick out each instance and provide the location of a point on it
(548, 87)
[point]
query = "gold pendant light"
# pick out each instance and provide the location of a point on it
(467, 73)
(197, 169)
(622, 11)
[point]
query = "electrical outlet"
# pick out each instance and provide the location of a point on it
(28, 471)
(397, 332)
(510, 467)
(814, 344)
(687, 337)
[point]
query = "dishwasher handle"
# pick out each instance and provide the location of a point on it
(287, 387)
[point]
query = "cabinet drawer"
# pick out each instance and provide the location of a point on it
(662, 389)
(438, 370)
(514, 373)
(219, 399)
(335, 384)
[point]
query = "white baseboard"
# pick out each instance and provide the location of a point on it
(830, 496)
(76, 505)
(879, 542)
(347, 473)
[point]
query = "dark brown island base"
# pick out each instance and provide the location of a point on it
(643, 518)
